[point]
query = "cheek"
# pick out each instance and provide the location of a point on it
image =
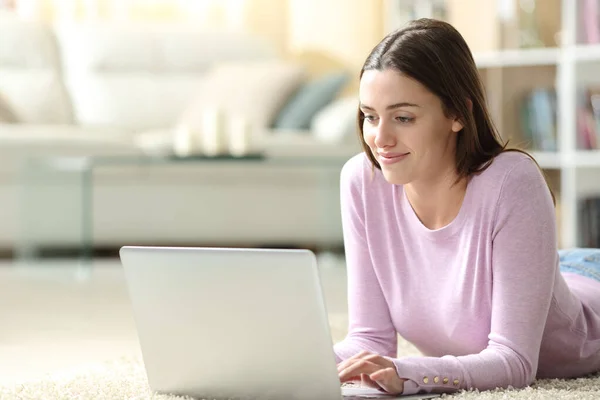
(369, 136)
(422, 138)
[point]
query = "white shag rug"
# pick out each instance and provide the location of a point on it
(126, 379)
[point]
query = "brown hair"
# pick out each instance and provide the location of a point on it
(435, 54)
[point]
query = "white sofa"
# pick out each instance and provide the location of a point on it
(94, 89)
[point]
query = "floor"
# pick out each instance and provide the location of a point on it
(57, 316)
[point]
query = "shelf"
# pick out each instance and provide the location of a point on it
(532, 57)
(580, 159)
(517, 58)
(587, 158)
(548, 160)
(587, 52)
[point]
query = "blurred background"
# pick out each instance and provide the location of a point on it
(226, 123)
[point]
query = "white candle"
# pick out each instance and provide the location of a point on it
(239, 136)
(183, 141)
(212, 132)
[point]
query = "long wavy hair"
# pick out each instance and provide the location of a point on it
(435, 54)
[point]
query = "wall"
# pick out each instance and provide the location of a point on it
(334, 33)
(325, 35)
(270, 19)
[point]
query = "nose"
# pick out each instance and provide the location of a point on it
(384, 136)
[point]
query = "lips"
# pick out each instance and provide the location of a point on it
(391, 158)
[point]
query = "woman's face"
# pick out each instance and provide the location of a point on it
(406, 128)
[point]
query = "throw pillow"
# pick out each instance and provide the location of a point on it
(7, 115)
(337, 123)
(308, 100)
(253, 90)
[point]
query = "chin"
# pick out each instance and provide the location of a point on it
(395, 178)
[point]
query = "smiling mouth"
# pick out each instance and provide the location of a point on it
(392, 157)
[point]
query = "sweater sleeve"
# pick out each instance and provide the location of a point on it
(524, 262)
(370, 326)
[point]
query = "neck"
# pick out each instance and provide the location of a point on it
(437, 200)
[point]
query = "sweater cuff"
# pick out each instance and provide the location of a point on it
(426, 376)
(410, 387)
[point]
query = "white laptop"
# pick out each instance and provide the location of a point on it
(219, 323)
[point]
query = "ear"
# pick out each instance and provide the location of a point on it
(457, 124)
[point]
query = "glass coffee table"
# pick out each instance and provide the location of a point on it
(56, 194)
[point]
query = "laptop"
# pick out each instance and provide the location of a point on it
(229, 323)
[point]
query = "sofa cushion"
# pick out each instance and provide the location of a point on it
(308, 100)
(159, 48)
(134, 101)
(30, 73)
(26, 44)
(337, 122)
(183, 51)
(36, 96)
(7, 115)
(142, 76)
(255, 91)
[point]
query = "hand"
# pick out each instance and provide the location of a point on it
(373, 370)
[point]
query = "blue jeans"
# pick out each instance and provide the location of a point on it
(584, 262)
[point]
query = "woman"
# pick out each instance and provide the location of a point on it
(450, 237)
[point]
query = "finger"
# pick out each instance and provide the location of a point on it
(379, 360)
(358, 355)
(380, 374)
(382, 362)
(344, 364)
(359, 367)
(366, 381)
(388, 380)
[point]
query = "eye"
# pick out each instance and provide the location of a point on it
(370, 118)
(405, 120)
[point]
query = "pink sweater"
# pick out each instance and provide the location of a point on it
(482, 298)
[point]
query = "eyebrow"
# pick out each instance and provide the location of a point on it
(391, 107)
